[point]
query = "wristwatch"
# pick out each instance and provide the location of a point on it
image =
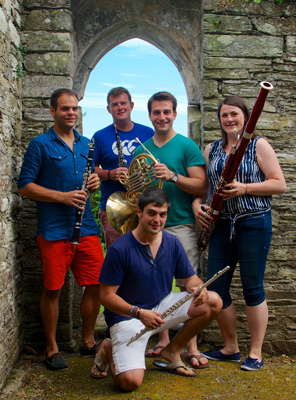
(175, 178)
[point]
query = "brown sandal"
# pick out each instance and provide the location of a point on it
(197, 357)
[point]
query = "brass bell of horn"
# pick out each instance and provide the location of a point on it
(120, 214)
(121, 207)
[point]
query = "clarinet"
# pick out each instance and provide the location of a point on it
(79, 213)
(121, 161)
(232, 165)
(179, 303)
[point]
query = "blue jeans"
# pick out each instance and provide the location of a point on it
(249, 245)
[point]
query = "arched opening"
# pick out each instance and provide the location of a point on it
(143, 69)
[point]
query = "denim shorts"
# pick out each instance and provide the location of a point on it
(249, 246)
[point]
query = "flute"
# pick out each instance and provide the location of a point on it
(179, 303)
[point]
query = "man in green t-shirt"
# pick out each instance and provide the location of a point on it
(181, 166)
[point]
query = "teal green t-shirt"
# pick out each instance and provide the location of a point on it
(178, 154)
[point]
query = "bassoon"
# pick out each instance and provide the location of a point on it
(79, 213)
(232, 165)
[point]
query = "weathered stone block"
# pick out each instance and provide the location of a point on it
(248, 8)
(220, 63)
(275, 26)
(49, 63)
(58, 20)
(291, 46)
(46, 3)
(43, 86)
(249, 46)
(213, 23)
(46, 41)
(3, 22)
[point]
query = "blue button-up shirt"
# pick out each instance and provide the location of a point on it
(49, 162)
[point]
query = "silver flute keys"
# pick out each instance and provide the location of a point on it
(179, 303)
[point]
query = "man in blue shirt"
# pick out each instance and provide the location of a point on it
(136, 283)
(114, 147)
(52, 174)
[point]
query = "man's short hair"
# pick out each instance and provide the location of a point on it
(57, 93)
(117, 91)
(162, 96)
(153, 196)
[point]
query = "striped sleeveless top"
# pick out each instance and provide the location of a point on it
(248, 172)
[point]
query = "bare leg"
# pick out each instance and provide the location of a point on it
(201, 317)
(257, 321)
(129, 380)
(163, 341)
(89, 309)
(227, 323)
(192, 348)
(49, 309)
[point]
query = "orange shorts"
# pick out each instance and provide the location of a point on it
(58, 256)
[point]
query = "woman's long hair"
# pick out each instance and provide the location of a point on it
(235, 101)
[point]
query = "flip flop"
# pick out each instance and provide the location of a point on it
(172, 367)
(98, 364)
(197, 357)
(154, 349)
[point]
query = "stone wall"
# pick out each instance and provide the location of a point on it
(244, 45)
(11, 334)
(217, 51)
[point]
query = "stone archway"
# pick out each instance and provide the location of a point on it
(181, 43)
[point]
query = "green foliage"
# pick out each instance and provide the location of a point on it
(95, 204)
(20, 66)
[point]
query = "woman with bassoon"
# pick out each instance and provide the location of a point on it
(244, 229)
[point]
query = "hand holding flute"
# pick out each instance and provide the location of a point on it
(179, 303)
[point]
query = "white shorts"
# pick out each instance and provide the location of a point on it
(133, 356)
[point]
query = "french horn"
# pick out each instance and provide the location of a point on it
(121, 207)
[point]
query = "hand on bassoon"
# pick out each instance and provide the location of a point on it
(234, 189)
(200, 212)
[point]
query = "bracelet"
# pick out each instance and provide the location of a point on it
(109, 173)
(134, 312)
(131, 310)
(246, 192)
(138, 313)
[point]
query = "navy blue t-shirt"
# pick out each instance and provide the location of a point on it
(142, 281)
(106, 154)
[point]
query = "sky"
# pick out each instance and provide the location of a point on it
(142, 69)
